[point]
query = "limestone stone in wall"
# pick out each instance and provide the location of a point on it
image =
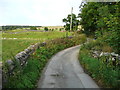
(21, 57)
(27, 51)
(10, 65)
(43, 44)
(70, 37)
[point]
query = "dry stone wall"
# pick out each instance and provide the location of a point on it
(115, 58)
(20, 59)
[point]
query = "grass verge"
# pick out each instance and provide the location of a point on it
(104, 73)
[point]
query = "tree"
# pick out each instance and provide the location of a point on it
(102, 19)
(96, 16)
(46, 28)
(67, 22)
(89, 16)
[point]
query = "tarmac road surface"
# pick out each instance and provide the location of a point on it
(64, 71)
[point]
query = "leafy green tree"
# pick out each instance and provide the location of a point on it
(67, 22)
(103, 20)
(89, 16)
(46, 28)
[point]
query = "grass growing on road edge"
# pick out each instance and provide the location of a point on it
(32, 71)
(106, 75)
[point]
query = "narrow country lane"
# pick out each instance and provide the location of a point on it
(64, 71)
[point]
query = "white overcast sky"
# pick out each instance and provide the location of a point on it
(36, 12)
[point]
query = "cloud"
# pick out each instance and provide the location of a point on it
(36, 12)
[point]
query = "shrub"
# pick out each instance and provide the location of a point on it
(107, 48)
(106, 75)
(46, 28)
(98, 45)
(112, 39)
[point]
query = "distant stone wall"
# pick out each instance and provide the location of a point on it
(52, 27)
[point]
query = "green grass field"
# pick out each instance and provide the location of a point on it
(11, 47)
(34, 35)
(16, 30)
